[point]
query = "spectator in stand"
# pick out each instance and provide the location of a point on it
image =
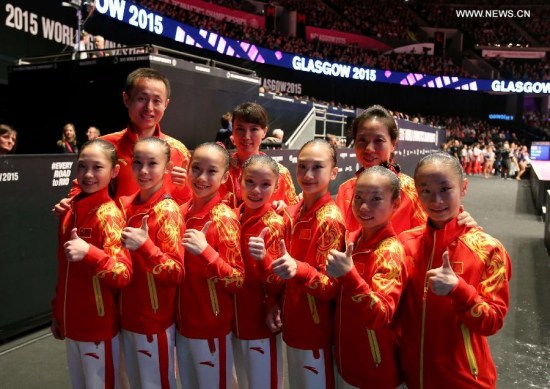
(68, 141)
(275, 141)
(99, 47)
(332, 140)
(224, 133)
(8, 139)
(93, 133)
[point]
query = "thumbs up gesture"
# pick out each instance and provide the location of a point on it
(443, 279)
(285, 266)
(75, 248)
(338, 263)
(134, 238)
(256, 245)
(194, 241)
(179, 175)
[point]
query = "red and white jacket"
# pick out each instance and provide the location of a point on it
(444, 338)
(147, 303)
(307, 316)
(409, 214)
(125, 184)
(366, 348)
(205, 299)
(231, 190)
(250, 302)
(87, 290)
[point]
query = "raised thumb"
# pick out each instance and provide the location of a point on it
(263, 233)
(446, 261)
(144, 225)
(206, 226)
(349, 249)
(74, 235)
(283, 247)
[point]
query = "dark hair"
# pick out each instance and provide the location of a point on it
(319, 141)
(443, 158)
(377, 112)
(225, 120)
(250, 113)
(108, 148)
(264, 160)
(217, 147)
(157, 142)
(145, 73)
(395, 185)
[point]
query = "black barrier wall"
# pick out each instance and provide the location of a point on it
(29, 186)
(87, 93)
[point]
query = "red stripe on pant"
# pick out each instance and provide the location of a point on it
(162, 344)
(223, 363)
(329, 368)
(274, 374)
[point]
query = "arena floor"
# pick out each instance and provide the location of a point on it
(521, 349)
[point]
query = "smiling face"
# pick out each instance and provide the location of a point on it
(373, 144)
(247, 138)
(207, 172)
(146, 103)
(373, 203)
(258, 182)
(95, 169)
(440, 189)
(149, 165)
(315, 170)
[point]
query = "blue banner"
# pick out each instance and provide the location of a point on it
(147, 20)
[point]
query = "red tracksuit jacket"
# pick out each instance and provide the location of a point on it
(205, 301)
(307, 316)
(366, 348)
(409, 214)
(86, 292)
(443, 338)
(124, 142)
(231, 190)
(147, 303)
(250, 302)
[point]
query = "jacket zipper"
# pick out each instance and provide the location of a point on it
(213, 296)
(67, 279)
(152, 292)
(469, 350)
(98, 297)
(374, 348)
(424, 298)
(313, 308)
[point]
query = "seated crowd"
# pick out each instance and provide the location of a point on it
(394, 24)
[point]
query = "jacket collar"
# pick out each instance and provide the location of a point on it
(326, 198)
(128, 201)
(363, 245)
(133, 136)
(92, 201)
(254, 214)
(447, 234)
(203, 211)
